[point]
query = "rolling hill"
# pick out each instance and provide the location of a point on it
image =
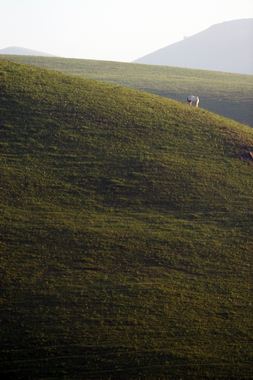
(126, 247)
(225, 47)
(229, 95)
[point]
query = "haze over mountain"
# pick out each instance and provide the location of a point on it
(222, 47)
(14, 50)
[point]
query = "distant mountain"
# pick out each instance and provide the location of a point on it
(14, 50)
(224, 47)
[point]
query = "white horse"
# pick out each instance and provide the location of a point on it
(193, 99)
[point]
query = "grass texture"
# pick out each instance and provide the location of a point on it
(126, 233)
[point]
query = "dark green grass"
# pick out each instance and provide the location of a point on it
(126, 248)
(226, 94)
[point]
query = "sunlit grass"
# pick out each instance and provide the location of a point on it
(226, 94)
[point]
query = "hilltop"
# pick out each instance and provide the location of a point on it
(226, 94)
(225, 47)
(126, 233)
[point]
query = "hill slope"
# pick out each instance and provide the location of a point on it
(127, 236)
(223, 47)
(229, 95)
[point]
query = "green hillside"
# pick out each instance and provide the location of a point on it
(229, 95)
(126, 248)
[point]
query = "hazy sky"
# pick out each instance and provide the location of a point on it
(111, 30)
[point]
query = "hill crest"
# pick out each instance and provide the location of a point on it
(226, 94)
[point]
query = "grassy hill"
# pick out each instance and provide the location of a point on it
(126, 248)
(229, 95)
